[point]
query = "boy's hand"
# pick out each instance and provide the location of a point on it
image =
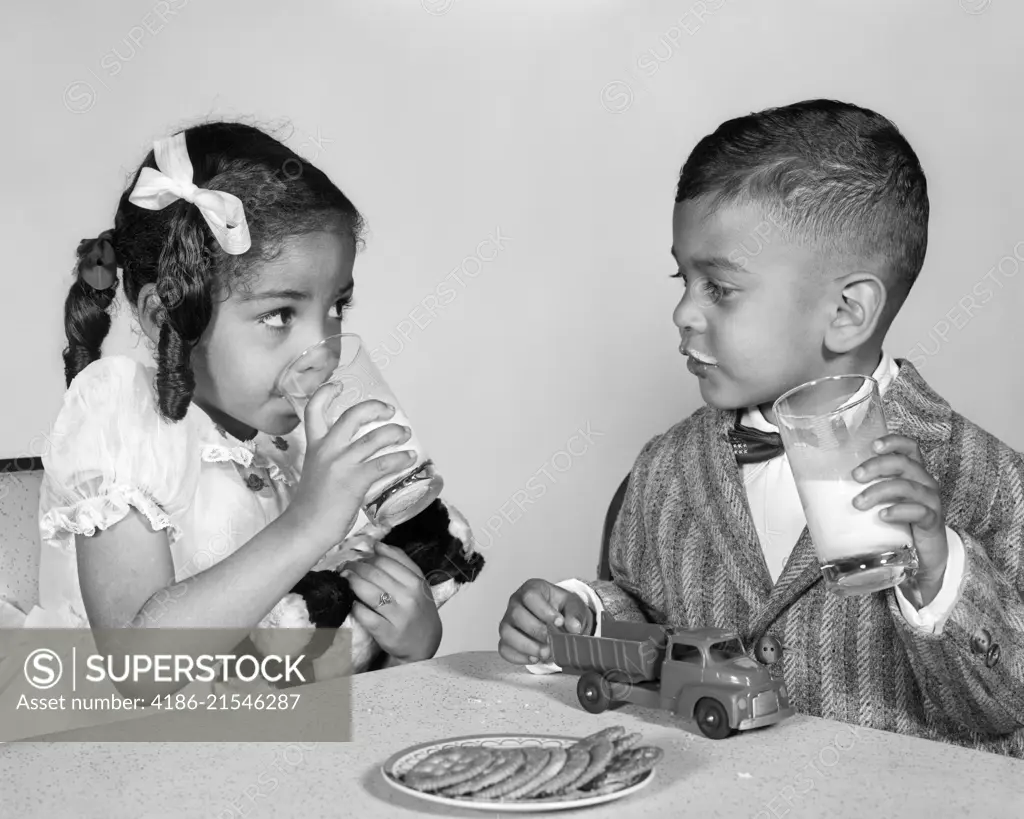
(914, 495)
(535, 605)
(407, 626)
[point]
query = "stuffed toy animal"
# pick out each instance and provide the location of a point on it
(440, 543)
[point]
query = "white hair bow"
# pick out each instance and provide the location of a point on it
(155, 190)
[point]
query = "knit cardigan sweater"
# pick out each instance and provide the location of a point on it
(684, 552)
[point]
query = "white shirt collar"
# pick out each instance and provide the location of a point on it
(884, 374)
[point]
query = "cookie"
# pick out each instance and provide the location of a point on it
(507, 763)
(447, 767)
(575, 765)
(611, 734)
(467, 785)
(628, 766)
(601, 755)
(556, 761)
(536, 760)
(627, 742)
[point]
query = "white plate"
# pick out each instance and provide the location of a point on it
(403, 761)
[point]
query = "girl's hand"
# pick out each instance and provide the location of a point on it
(355, 547)
(338, 471)
(914, 498)
(407, 625)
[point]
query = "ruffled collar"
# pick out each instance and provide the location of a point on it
(279, 457)
(264, 452)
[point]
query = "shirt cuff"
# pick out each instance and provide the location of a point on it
(589, 596)
(932, 618)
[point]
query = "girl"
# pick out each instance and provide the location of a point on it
(190, 495)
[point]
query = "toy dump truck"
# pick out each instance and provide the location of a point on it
(702, 674)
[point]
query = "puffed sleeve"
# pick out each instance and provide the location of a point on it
(111, 450)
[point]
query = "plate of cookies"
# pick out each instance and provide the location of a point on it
(525, 773)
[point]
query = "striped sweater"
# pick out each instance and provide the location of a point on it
(684, 551)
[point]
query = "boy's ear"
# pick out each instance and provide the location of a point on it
(858, 310)
(151, 312)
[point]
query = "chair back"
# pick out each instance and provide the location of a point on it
(19, 532)
(604, 571)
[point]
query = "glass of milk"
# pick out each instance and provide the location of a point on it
(342, 363)
(828, 427)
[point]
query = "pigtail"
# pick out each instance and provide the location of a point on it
(183, 288)
(175, 381)
(86, 308)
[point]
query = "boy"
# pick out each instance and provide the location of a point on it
(799, 232)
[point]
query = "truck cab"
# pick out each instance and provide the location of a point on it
(707, 676)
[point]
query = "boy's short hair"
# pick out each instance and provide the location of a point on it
(838, 177)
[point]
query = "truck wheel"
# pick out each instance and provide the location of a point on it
(594, 692)
(712, 719)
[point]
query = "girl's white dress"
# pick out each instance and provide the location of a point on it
(112, 451)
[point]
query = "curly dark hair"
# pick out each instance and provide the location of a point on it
(283, 194)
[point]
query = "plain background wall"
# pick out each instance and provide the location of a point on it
(561, 125)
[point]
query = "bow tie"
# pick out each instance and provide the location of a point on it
(752, 446)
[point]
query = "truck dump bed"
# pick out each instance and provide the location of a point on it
(636, 650)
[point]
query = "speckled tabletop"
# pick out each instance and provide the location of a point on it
(803, 767)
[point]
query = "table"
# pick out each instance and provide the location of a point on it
(804, 767)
